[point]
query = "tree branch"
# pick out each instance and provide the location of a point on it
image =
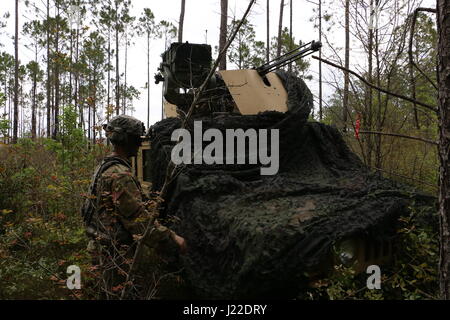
(411, 36)
(375, 87)
(401, 136)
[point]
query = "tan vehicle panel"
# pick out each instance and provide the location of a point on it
(170, 110)
(141, 168)
(252, 95)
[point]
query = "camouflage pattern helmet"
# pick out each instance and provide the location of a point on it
(120, 127)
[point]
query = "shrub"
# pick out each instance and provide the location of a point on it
(41, 231)
(412, 275)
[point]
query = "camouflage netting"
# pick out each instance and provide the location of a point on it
(253, 236)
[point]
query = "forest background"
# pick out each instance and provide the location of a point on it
(83, 62)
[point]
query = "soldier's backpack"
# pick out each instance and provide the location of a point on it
(89, 205)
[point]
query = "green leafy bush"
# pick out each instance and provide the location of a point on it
(41, 231)
(412, 275)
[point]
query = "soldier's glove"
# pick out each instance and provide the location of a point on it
(165, 242)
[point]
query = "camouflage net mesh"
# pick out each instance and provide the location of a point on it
(253, 236)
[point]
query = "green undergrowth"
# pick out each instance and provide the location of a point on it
(41, 232)
(411, 275)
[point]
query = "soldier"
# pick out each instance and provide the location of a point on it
(117, 212)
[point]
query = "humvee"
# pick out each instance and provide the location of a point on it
(271, 236)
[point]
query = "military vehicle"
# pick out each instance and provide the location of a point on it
(254, 236)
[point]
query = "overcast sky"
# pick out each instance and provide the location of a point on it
(201, 24)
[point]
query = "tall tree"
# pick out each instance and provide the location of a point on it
(121, 10)
(245, 52)
(443, 22)
(36, 76)
(369, 90)
(16, 75)
(280, 28)
(129, 29)
(34, 29)
(117, 28)
(6, 75)
(181, 23)
(290, 28)
(267, 31)
(106, 18)
(57, 64)
(148, 28)
(93, 56)
(300, 66)
(223, 32)
(81, 12)
(320, 62)
(168, 32)
(48, 103)
(390, 71)
(347, 64)
(4, 122)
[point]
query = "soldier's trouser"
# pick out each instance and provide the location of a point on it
(113, 263)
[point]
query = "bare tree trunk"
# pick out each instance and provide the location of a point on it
(83, 123)
(33, 105)
(268, 33)
(223, 32)
(39, 124)
(239, 41)
(21, 123)
(124, 102)
(94, 96)
(108, 101)
(117, 63)
(89, 106)
(9, 115)
(148, 79)
(6, 92)
(77, 80)
(320, 62)
(347, 64)
(290, 31)
(280, 27)
(180, 25)
(412, 80)
(378, 119)
(33, 109)
(443, 22)
(16, 75)
(369, 95)
(71, 66)
(48, 71)
(57, 94)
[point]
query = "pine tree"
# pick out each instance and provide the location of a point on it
(181, 22)
(16, 75)
(443, 22)
(280, 28)
(148, 28)
(223, 32)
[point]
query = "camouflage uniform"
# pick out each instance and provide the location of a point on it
(120, 219)
(121, 206)
(120, 214)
